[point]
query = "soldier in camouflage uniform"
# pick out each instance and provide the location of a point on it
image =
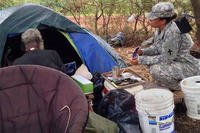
(169, 56)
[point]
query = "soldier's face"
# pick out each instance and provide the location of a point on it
(156, 23)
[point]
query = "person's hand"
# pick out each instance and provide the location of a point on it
(135, 52)
(139, 52)
(135, 61)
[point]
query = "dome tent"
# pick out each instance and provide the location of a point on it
(72, 42)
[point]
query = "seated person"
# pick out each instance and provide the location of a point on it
(169, 57)
(35, 53)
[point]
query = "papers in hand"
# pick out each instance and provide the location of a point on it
(135, 52)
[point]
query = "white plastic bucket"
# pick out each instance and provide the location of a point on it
(155, 110)
(191, 90)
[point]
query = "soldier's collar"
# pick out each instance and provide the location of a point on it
(162, 33)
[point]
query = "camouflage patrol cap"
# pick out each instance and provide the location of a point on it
(161, 10)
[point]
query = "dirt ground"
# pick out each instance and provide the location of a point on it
(183, 124)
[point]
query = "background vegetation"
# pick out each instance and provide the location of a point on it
(107, 17)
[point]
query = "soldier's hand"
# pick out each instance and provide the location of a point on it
(139, 52)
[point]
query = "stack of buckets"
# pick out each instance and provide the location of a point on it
(191, 90)
(155, 110)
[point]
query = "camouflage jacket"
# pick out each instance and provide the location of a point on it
(169, 46)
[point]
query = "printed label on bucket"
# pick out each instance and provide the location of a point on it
(165, 117)
(162, 123)
(166, 121)
(152, 120)
(165, 126)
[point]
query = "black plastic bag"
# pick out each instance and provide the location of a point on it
(98, 83)
(119, 106)
(183, 24)
(70, 68)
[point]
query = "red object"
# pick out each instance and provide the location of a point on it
(135, 61)
(105, 90)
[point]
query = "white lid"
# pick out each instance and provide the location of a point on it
(154, 97)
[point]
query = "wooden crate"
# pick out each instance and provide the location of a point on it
(125, 83)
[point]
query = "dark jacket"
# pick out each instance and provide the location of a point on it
(48, 58)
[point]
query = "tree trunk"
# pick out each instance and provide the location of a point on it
(196, 9)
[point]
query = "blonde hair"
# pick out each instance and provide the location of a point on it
(32, 35)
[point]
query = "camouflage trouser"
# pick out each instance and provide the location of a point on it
(170, 75)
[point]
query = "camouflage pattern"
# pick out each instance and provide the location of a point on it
(169, 56)
(147, 42)
(161, 10)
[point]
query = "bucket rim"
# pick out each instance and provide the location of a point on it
(154, 107)
(156, 111)
(189, 87)
(142, 96)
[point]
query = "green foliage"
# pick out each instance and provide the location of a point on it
(8, 3)
(106, 16)
(183, 7)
